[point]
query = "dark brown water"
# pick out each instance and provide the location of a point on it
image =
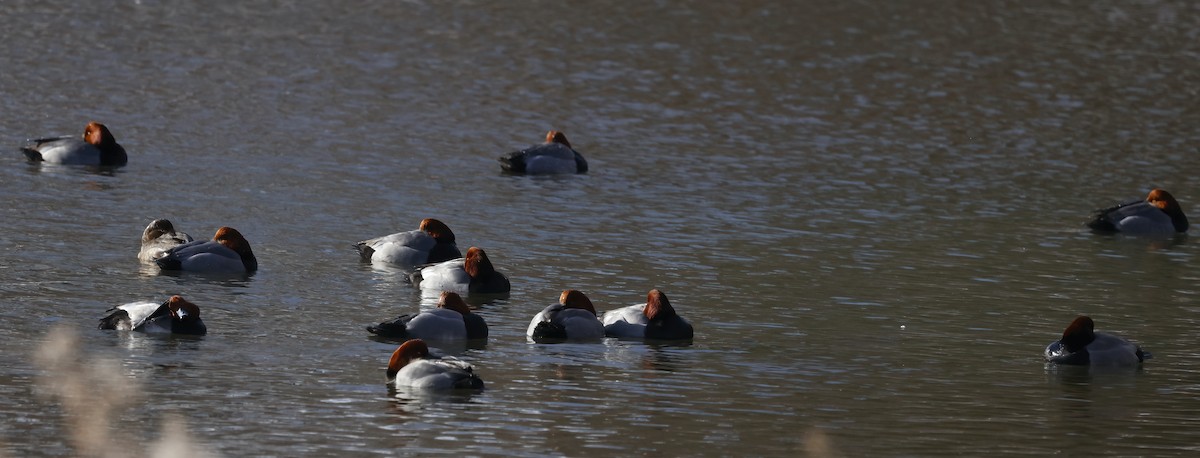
(871, 211)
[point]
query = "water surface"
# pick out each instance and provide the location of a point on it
(871, 211)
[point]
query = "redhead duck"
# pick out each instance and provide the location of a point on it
(451, 320)
(1159, 214)
(176, 316)
(472, 274)
(412, 366)
(432, 242)
(1081, 346)
(654, 320)
(227, 252)
(97, 147)
(553, 156)
(159, 237)
(572, 318)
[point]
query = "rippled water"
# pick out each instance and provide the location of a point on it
(871, 211)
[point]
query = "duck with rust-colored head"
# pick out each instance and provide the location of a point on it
(471, 274)
(227, 252)
(653, 320)
(97, 147)
(1081, 345)
(413, 366)
(573, 318)
(158, 238)
(175, 316)
(432, 242)
(1159, 214)
(451, 320)
(553, 156)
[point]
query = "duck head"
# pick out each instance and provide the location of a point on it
(408, 351)
(1166, 202)
(1078, 334)
(183, 310)
(452, 301)
(233, 240)
(476, 262)
(658, 308)
(575, 299)
(185, 317)
(98, 134)
(437, 230)
(555, 136)
(156, 229)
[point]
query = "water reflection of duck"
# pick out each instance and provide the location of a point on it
(1158, 214)
(1081, 345)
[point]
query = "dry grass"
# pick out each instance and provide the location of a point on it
(93, 392)
(818, 444)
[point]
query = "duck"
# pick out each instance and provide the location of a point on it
(1158, 214)
(653, 320)
(227, 252)
(572, 318)
(97, 147)
(175, 316)
(555, 156)
(451, 320)
(471, 274)
(432, 242)
(159, 237)
(1081, 345)
(412, 366)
